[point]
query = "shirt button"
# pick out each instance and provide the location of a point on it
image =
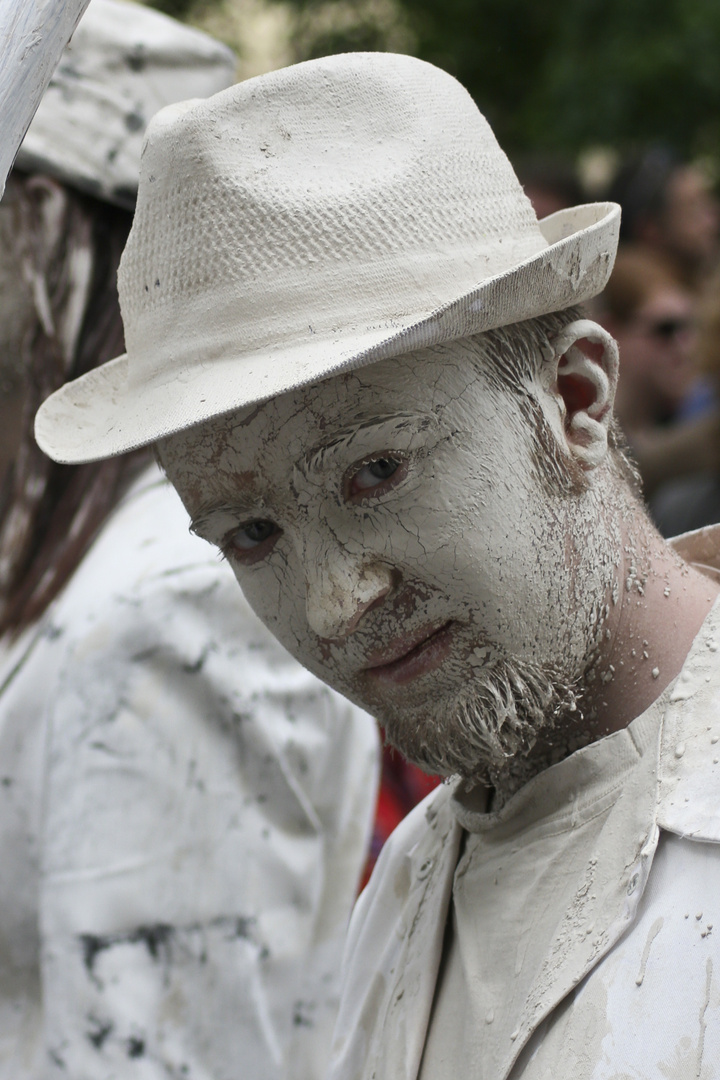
(425, 869)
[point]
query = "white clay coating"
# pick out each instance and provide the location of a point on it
(463, 532)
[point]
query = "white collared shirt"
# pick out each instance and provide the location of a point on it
(544, 868)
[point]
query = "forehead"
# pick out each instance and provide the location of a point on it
(668, 298)
(409, 394)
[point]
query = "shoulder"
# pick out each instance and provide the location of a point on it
(689, 765)
(672, 944)
(388, 888)
(654, 992)
(408, 891)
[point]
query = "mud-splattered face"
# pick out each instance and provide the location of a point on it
(390, 528)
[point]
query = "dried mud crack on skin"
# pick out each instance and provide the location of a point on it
(282, 435)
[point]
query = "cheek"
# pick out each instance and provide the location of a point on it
(478, 508)
(491, 543)
(276, 593)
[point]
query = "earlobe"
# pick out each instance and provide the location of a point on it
(585, 368)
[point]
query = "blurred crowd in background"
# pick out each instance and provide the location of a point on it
(662, 305)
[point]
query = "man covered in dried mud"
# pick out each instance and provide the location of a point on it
(363, 362)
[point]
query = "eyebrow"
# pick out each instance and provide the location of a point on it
(314, 459)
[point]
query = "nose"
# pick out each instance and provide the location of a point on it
(341, 590)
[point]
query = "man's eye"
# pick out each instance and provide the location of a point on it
(248, 538)
(374, 474)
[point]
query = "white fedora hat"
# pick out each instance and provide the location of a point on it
(308, 222)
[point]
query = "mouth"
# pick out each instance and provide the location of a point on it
(412, 655)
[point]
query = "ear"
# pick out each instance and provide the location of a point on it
(581, 375)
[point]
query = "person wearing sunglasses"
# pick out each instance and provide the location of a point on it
(664, 401)
(652, 317)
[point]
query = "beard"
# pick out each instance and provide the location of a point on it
(487, 731)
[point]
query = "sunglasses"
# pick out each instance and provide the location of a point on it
(669, 328)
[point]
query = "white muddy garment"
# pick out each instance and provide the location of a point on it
(554, 856)
(184, 814)
(595, 955)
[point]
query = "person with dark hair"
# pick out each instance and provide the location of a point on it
(652, 316)
(664, 405)
(61, 249)
(184, 811)
(369, 377)
(668, 205)
(690, 496)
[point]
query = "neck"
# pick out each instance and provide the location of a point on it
(661, 606)
(661, 603)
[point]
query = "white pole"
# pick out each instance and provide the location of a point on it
(33, 34)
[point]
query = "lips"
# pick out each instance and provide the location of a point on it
(412, 655)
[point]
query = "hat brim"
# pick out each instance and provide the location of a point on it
(104, 413)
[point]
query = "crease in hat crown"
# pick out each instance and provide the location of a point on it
(309, 221)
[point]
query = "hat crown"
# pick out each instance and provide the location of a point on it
(314, 176)
(309, 222)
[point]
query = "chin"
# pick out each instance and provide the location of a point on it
(488, 720)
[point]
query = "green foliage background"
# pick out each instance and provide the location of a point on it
(566, 74)
(558, 75)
